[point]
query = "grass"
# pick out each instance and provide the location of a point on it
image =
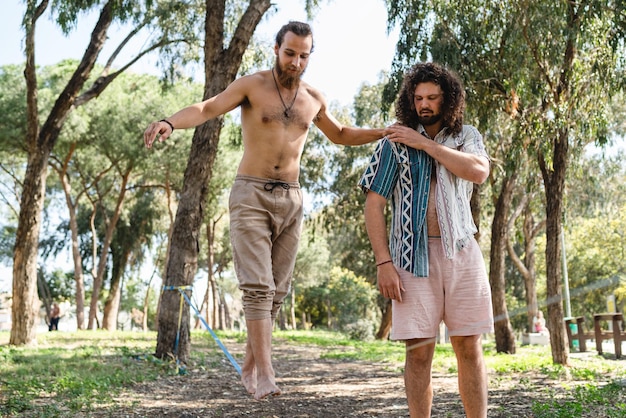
(87, 368)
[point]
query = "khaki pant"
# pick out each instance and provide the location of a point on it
(265, 225)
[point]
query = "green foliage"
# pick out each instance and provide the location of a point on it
(312, 262)
(362, 329)
(60, 283)
(596, 263)
(13, 109)
(12, 154)
(7, 242)
(342, 301)
(173, 28)
(341, 218)
(597, 186)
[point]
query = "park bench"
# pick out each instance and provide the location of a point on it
(616, 334)
(580, 337)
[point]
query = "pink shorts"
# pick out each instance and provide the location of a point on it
(456, 292)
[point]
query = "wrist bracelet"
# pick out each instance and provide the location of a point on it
(384, 262)
(168, 122)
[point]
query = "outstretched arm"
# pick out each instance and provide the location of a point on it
(198, 113)
(343, 135)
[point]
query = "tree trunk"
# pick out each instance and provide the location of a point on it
(146, 304)
(505, 338)
(221, 68)
(104, 250)
(218, 319)
(112, 303)
(554, 181)
(40, 143)
(79, 278)
(526, 267)
(183, 260)
(282, 320)
(170, 231)
(385, 322)
(530, 279)
(292, 309)
(216, 298)
(204, 307)
(23, 312)
(227, 323)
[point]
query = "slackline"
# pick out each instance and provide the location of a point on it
(181, 290)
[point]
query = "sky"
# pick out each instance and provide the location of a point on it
(352, 47)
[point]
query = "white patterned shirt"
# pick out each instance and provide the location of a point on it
(403, 174)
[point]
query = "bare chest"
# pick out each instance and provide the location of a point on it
(432, 220)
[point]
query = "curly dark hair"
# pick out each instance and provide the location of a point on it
(299, 28)
(453, 95)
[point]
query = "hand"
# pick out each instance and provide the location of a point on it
(154, 129)
(389, 283)
(405, 135)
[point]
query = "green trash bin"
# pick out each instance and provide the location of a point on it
(574, 330)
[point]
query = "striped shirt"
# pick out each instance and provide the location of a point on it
(402, 174)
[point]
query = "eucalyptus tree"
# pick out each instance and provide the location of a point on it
(96, 141)
(116, 120)
(595, 232)
(60, 161)
(561, 60)
(129, 247)
(12, 154)
(168, 22)
(525, 225)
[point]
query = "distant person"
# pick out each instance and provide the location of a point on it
(277, 109)
(429, 263)
(540, 323)
(55, 316)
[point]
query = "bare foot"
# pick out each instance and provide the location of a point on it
(266, 388)
(248, 374)
(249, 381)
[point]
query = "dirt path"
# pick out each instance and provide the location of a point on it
(320, 388)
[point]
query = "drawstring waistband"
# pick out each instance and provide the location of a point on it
(268, 184)
(272, 185)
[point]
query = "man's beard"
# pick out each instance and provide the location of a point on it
(430, 119)
(284, 78)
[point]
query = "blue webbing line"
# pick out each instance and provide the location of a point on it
(215, 337)
(181, 289)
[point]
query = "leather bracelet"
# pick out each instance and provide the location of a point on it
(168, 122)
(384, 262)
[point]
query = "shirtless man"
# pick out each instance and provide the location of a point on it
(277, 109)
(431, 267)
